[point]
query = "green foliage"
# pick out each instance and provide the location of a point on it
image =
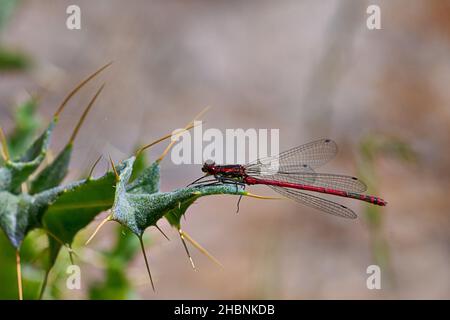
(140, 164)
(116, 284)
(27, 122)
(14, 172)
(374, 145)
(6, 9)
(52, 175)
(371, 148)
(33, 200)
(13, 60)
(22, 213)
(32, 250)
(10, 60)
(137, 209)
(75, 209)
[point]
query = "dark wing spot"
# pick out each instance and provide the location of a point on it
(354, 178)
(327, 140)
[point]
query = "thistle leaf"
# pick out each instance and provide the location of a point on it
(53, 174)
(14, 172)
(75, 209)
(138, 211)
(15, 216)
(139, 165)
(147, 182)
(22, 213)
(185, 197)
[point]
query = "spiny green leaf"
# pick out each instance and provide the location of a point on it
(22, 213)
(147, 182)
(174, 215)
(14, 172)
(139, 165)
(75, 209)
(185, 197)
(138, 211)
(16, 216)
(53, 174)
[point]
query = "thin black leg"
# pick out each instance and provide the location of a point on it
(239, 201)
(197, 180)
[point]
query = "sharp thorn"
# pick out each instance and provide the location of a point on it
(200, 114)
(4, 145)
(167, 136)
(186, 249)
(98, 228)
(71, 255)
(162, 232)
(61, 243)
(91, 172)
(85, 113)
(146, 263)
(114, 169)
(200, 248)
(77, 88)
(19, 275)
(176, 135)
(44, 284)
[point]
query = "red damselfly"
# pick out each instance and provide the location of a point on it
(291, 173)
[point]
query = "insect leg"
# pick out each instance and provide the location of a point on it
(197, 180)
(239, 201)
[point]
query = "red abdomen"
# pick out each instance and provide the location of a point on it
(340, 193)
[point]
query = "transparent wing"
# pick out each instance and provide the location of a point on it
(321, 204)
(313, 154)
(296, 166)
(310, 178)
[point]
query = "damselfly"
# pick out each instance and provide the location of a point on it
(291, 173)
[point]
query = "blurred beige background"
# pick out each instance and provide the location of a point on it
(311, 69)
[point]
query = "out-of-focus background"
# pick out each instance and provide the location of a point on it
(311, 69)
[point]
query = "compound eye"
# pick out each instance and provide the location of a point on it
(209, 162)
